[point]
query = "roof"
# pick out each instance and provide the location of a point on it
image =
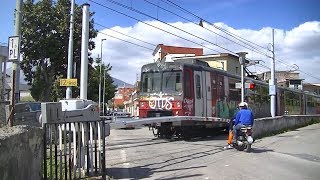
(209, 56)
(177, 50)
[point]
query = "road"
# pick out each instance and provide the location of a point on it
(136, 154)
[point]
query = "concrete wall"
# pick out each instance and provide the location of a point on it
(267, 126)
(21, 153)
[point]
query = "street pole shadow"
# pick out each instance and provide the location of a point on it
(260, 150)
(129, 173)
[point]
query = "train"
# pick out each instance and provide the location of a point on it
(202, 97)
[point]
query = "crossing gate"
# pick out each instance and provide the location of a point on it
(74, 142)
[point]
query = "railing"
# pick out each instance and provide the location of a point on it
(74, 150)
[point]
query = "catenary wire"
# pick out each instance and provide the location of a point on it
(126, 41)
(250, 47)
(235, 36)
(125, 34)
(217, 27)
(154, 26)
(142, 13)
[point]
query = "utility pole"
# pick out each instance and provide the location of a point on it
(70, 52)
(272, 86)
(100, 76)
(242, 60)
(16, 64)
(84, 52)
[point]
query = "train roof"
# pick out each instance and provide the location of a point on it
(202, 65)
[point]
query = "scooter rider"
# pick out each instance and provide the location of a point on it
(243, 118)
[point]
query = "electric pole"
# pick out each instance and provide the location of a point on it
(272, 86)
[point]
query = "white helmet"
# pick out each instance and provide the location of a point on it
(243, 104)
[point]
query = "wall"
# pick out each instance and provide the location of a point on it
(266, 126)
(21, 153)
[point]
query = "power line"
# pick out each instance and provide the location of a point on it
(142, 13)
(236, 36)
(154, 26)
(250, 47)
(125, 41)
(132, 9)
(126, 35)
(217, 27)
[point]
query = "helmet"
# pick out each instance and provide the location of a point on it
(243, 104)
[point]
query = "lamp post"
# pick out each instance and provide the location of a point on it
(104, 90)
(100, 76)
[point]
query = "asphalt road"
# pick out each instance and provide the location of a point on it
(136, 154)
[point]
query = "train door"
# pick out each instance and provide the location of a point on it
(208, 96)
(198, 89)
(214, 94)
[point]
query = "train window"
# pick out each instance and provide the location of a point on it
(151, 82)
(171, 81)
(187, 84)
(198, 87)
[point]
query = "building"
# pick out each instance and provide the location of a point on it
(312, 88)
(224, 61)
(123, 94)
(132, 105)
(284, 79)
(174, 51)
(281, 76)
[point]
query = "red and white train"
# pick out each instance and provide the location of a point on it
(194, 97)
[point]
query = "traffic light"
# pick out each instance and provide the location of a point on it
(252, 86)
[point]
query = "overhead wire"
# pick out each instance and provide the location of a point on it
(217, 27)
(125, 41)
(153, 26)
(125, 34)
(236, 36)
(132, 9)
(250, 47)
(147, 15)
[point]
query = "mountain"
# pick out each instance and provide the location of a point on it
(120, 83)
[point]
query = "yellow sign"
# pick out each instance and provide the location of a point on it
(68, 82)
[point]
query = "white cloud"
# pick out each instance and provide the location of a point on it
(300, 46)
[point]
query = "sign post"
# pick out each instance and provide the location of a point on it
(68, 82)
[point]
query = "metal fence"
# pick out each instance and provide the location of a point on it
(74, 150)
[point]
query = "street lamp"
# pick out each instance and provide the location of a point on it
(100, 77)
(104, 89)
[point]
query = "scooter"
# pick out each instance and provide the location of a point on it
(244, 139)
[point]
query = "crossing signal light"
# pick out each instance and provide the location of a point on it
(252, 86)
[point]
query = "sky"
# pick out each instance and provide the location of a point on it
(296, 24)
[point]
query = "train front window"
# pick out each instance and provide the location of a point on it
(166, 81)
(171, 81)
(151, 82)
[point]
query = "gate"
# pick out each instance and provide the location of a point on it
(74, 150)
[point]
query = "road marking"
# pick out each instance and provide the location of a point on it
(125, 169)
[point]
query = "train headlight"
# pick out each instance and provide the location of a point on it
(179, 104)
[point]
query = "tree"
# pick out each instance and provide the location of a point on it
(44, 45)
(93, 79)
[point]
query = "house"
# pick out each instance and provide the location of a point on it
(174, 51)
(312, 88)
(224, 61)
(123, 94)
(288, 79)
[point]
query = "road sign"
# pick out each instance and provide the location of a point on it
(68, 82)
(246, 85)
(14, 44)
